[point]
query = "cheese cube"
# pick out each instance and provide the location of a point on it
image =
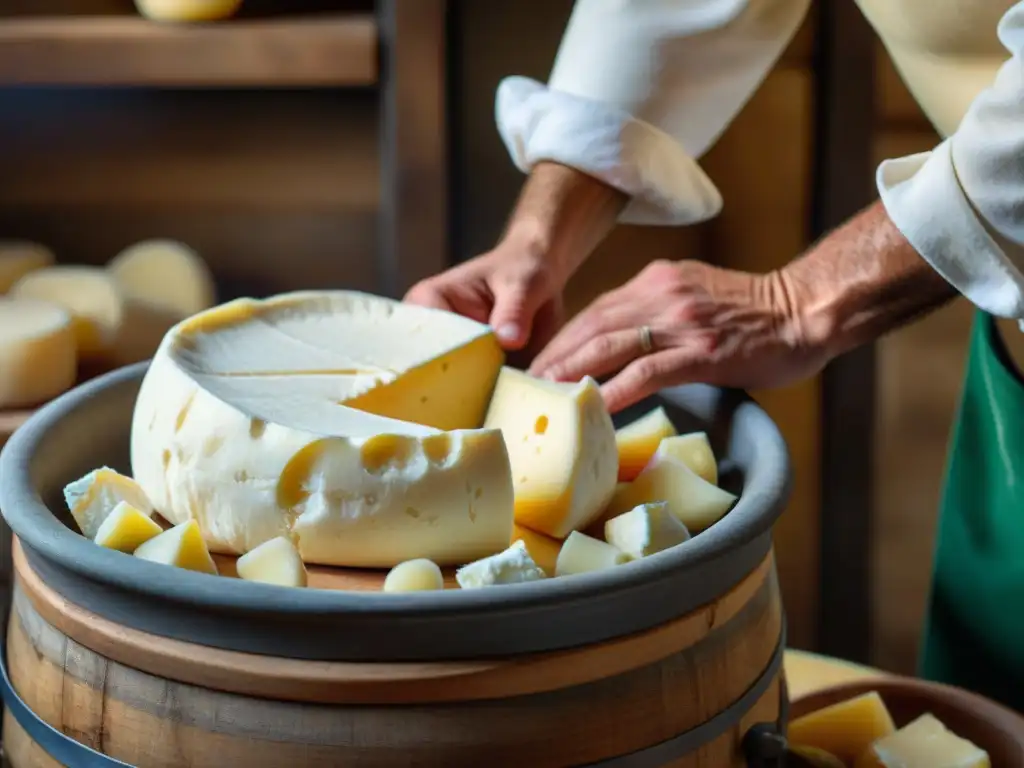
(645, 529)
(697, 503)
(18, 258)
(694, 450)
(512, 566)
(182, 546)
(38, 352)
(581, 553)
(924, 743)
(845, 729)
(126, 529)
(92, 498)
(164, 273)
(561, 445)
(417, 575)
(638, 441)
(543, 549)
(188, 10)
(253, 419)
(273, 562)
(109, 325)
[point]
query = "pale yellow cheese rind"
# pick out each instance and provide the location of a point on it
(38, 352)
(845, 729)
(166, 274)
(638, 441)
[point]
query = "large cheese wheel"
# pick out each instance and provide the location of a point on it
(109, 325)
(38, 357)
(18, 258)
(165, 273)
(348, 422)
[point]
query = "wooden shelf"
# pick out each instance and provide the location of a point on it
(315, 51)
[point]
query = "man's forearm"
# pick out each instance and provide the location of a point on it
(562, 215)
(859, 282)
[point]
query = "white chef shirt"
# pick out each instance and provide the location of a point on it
(642, 88)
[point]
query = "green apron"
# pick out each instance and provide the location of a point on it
(974, 637)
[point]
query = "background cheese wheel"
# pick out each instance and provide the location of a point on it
(18, 258)
(167, 274)
(109, 325)
(38, 354)
(188, 10)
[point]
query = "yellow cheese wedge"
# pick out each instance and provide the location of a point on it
(645, 530)
(38, 352)
(694, 450)
(167, 274)
(18, 258)
(845, 729)
(251, 421)
(92, 498)
(126, 529)
(924, 743)
(543, 549)
(561, 444)
(638, 441)
(581, 553)
(419, 575)
(697, 503)
(182, 546)
(273, 562)
(188, 10)
(109, 325)
(511, 566)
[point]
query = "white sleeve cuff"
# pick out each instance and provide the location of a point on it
(666, 185)
(924, 199)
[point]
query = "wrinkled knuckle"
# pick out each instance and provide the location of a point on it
(683, 312)
(602, 348)
(648, 371)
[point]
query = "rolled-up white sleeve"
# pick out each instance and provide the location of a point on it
(641, 89)
(962, 205)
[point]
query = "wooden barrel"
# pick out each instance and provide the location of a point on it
(683, 694)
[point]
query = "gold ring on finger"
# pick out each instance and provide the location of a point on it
(646, 341)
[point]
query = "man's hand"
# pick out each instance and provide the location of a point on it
(706, 324)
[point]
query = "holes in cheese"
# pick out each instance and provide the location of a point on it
(38, 352)
(188, 10)
(511, 566)
(92, 498)
(645, 530)
(108, 324)
(273, 562)
(349, 487)
(561, 445)
(581, 553)
(18, 258)
(419, 575)
(845, 729)
(166, 274)
(924, 743)
(543, 549)
(697, 503)
(181, 546)
(638, 441)
(126, 528)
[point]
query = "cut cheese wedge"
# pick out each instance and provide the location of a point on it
(697, 503)
(249, 421)
(638, 441)
(581, 553)
(166, 274)
(645, 530)
(694, 450)
(126, 528)
(188, 10)
(561, 444)
(543, 549)
(108, 324)
(419, 575)
(845, 729)
(92, 498)
(18, 258)
(273, 562)
(924, 743)
(38, 352)
(511, 566)
(182, 546)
